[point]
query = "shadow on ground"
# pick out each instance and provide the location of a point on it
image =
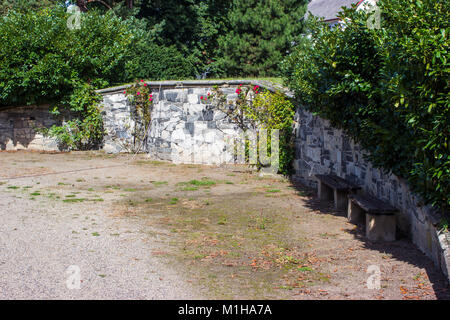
(402, 249)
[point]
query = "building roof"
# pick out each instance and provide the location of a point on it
(328, 9)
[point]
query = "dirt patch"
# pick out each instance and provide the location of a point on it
(226, 230)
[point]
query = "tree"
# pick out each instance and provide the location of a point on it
(260, 33)
(21, 5)
(192, 26)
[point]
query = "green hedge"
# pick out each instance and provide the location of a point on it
(388, 88)
(41, 59)
(156, 62)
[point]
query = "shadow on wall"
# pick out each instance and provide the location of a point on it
(401, 249)
(17, 128)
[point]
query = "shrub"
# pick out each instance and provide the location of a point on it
(262, 110)
(42, 60)
(84, 130)
(387, 88)
(155, 62)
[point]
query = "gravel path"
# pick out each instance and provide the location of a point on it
(41, 239)
(140, 229)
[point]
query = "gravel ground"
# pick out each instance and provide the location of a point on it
(40, 240)
(138, 229)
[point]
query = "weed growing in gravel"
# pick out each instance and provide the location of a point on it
(74, 200)
(159, 183)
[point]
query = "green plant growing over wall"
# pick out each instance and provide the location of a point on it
(256, 109)
(141, 98)
(84, 129)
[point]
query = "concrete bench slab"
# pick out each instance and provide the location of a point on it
(332, 187)
(379, 216)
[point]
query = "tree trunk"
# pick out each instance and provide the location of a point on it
(82, 5)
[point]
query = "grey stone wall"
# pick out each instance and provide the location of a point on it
(320, 148)
(119, 123)
(17, 128)
(184, 128)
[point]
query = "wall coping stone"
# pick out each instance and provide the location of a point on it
(173, 84)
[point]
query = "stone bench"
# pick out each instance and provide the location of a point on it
(379, 216)
(332, 187)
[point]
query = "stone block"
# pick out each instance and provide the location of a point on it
(354, 213)
(380, 227)
(193, 99)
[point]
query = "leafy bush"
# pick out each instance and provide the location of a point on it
(388, 88)
(262, 110)
(84, 130)
(155, 62)
(42, 60)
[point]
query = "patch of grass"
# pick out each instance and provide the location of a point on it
(96, 200)
(203, 182)
(273, 190)
(130, 190)
(148, 200)
(74, 200)
(95, 234)
(13, 187)
(159, 183)
(152, 162)
(80, 180)
(62, 184)
(222, 221)
(90, 189)
(173, 201)
(37, 193)
(189, 188)
(70, 196)
(305, 269)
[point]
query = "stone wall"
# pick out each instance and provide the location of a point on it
(320, 148)
(184, 128)
(17, 128)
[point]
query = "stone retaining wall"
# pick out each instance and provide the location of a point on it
(17, 128)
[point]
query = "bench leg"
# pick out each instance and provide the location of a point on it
(340, 200)
(380, 227)
(354, 213)
(325, 192)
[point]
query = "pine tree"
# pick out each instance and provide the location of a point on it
(260, 33)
